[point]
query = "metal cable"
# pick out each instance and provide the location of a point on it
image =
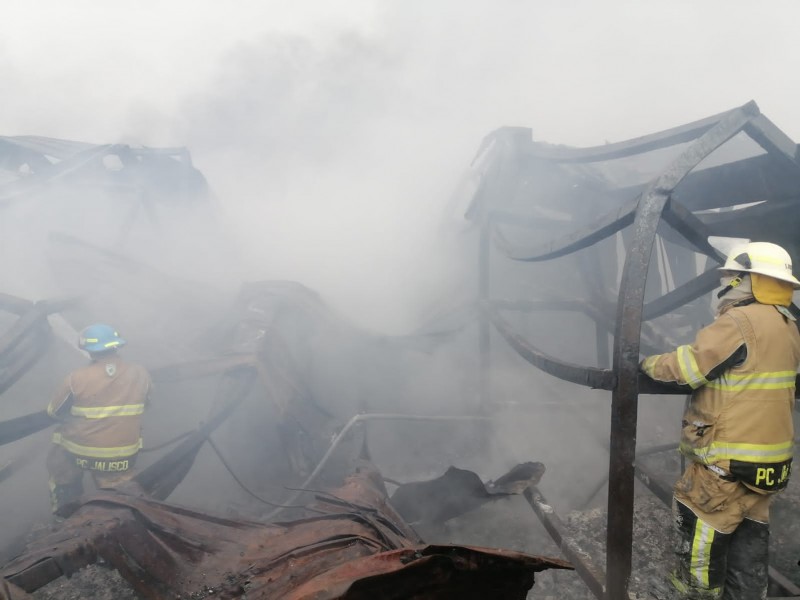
(246, 489)
(350, 424)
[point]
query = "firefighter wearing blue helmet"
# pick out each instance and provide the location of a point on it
(99, 408)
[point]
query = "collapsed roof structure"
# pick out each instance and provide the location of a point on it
(348, 544)
(617, 237)
(29, 165)
(624, 233)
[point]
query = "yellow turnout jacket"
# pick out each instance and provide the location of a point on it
(742, 370)
(101, 407)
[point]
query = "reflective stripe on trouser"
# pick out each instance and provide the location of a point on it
(725, 566)
(66, 478)
(701, 552)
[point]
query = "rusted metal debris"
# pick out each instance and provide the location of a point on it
(355, 547)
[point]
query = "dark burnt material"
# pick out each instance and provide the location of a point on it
(537, 203)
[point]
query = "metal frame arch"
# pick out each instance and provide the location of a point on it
(624, 397)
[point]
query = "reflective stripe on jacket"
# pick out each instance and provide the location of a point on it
(101, 407)
(740, 416)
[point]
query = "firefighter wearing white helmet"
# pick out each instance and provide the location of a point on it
(737, 431)
(99, 407)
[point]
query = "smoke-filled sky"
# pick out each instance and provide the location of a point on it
(333, 132)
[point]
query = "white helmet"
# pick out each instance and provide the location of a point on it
(764, 258)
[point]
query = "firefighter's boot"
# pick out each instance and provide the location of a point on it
(746, 577)
(64, 498)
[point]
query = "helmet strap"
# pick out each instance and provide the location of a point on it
(735, 282)
(102, 354)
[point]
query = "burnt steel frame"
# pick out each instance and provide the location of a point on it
(653, 203)
(28, 338)
(73, 157)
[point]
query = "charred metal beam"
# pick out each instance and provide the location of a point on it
(14, 365)
(591, 576)
(592, 377)
(776, 220)
(27, 339)
(773, 140)
(691, 228)
(14, 304)
(600, 314)
(784, 583)
(504, 148)
(700, 285)
(17, 189)
(654, 484)
(24, 326)
(37, 312)
(484, 326)
(774, 212)
(662, 139)
(624, 399)
(590, 263)
(599, 229)
(739, 182)
(22, 346)
(20, 427)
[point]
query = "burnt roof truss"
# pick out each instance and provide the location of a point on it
(695, 194)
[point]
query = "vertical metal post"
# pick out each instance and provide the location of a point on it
(484, 334)
(624, 398)
(602, 346)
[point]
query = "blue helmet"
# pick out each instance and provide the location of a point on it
(99, 338)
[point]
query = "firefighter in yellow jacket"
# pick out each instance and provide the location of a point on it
(100, 408)
(737, 430)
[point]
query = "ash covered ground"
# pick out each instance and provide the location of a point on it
(515, 526)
